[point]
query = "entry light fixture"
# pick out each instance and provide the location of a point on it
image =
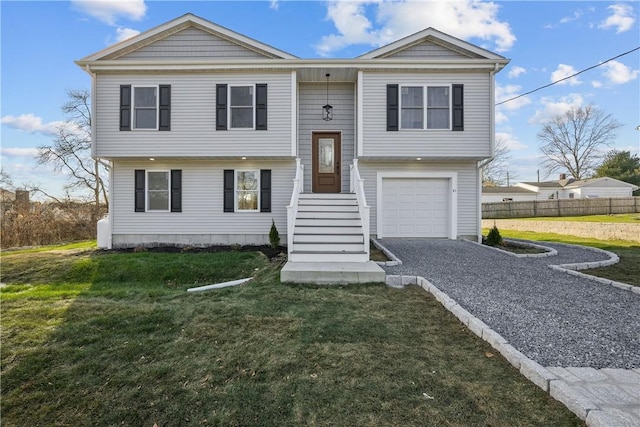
(327, 110)
(151, 158)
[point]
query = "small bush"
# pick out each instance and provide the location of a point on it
(274, 236)
(494, 238)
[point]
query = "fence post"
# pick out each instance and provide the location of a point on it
(558, 200)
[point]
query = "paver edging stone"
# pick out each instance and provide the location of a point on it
(549, 251)
(572, 268)
(394, 259)
(530, 369)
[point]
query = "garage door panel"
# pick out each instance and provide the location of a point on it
(415, 207)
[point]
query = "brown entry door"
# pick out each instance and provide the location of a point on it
(326, 162)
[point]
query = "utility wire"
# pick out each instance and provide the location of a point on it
(568, 77)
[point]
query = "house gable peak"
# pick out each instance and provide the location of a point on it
(188, 21)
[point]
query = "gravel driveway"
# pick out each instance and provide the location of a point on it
(554, 318)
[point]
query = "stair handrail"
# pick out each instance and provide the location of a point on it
(357, 187)
(292, 209)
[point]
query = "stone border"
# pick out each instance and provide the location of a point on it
(550, 383)
(572, 268)
(394, 259)
(548, 251)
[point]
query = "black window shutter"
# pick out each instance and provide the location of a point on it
(228, 190)
(221, 107)
(393, 107)
(165, 107)
(176, 190)
(458, 107)
(261, 106)
(139, 190)
(265, 190)
(125, 107)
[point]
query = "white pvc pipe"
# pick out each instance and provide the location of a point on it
(219, 285)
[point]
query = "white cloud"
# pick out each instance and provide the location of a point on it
(516, 72)
(273, 4)
(31, 123)
(576, 15)
(509, 91)
(396, 19)
(511, 141)
(125, 33)
(596, 84)
(618, 73)
(621, 18)
(551, 108)
(19, 152)
(563, 71)
(108, 11)
(501, 117)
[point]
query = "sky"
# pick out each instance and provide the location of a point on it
(545, 40)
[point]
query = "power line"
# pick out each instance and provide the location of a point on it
(568, 77)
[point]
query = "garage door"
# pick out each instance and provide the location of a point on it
(415, 207)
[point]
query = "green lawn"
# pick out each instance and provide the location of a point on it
(99, 338)
(627, 270)
(633, 218)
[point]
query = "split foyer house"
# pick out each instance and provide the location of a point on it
(212, 135)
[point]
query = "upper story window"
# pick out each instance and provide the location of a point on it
(241, 103)
(418, 111)
(145, 107)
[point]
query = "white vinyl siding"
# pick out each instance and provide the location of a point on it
(202, 201)
(428, 50)
(193, 118)
(311, 98)
(472, 143)
(467, 188)
(192, 43)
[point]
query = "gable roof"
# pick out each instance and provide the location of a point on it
(506, 190)
(433, 36)
(571, 183)
(179, 24)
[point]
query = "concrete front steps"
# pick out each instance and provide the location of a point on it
(328, 243)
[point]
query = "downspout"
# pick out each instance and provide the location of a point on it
(492, 139)
(94, 156)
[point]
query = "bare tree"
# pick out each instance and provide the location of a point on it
(497, 171)
(70, 151)
(574, 141)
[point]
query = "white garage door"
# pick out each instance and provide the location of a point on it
(415, 207)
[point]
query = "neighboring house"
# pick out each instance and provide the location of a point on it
(211, 135)
(492, 194)
(568, 188)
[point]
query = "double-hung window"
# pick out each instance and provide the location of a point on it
(241, 104)
(145, 107)
(158, 190)
(247, 190)
(418, 111)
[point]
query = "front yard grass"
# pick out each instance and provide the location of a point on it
(98, 338)
(626, 271)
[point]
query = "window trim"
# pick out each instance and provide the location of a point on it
(235, 190)
(230, 107)
(146, 190)
(425, 106)
(133, 107)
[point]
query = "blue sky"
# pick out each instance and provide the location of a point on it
(545, 41)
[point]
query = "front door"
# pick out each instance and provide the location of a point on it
(326, 162)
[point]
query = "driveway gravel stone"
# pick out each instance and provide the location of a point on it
(552, 317)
